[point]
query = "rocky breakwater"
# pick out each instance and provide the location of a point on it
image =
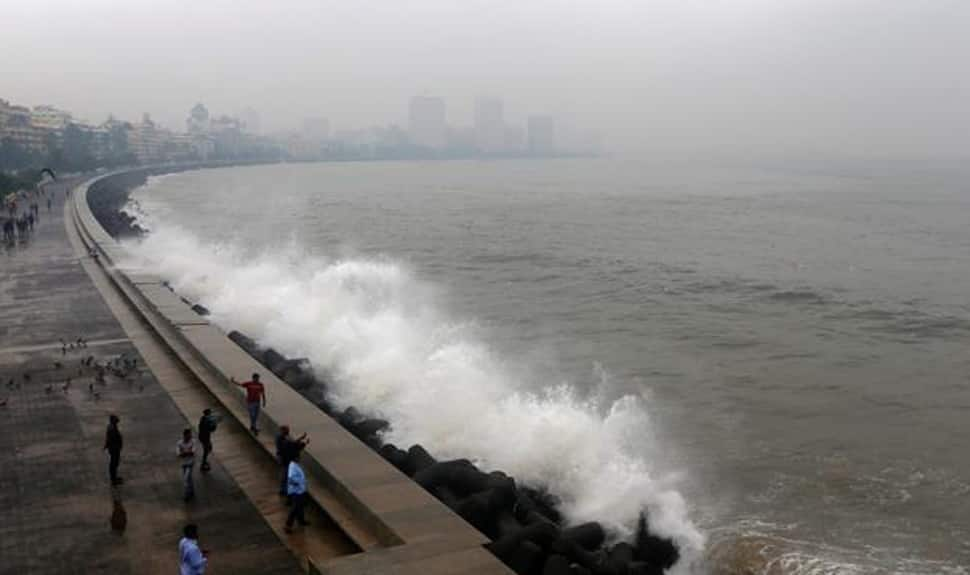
(527, 531)
(108, 196)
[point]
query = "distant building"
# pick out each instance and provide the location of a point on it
(198, 120)
(426, 122)
(16, 125)
(226, 133)
(146, 141)
(316, 130)
(250, 121)
(541, 135)
(489, 125)
(50, 118)
(513, 139)
(100, 143)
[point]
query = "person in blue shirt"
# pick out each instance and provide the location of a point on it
(296, 489)
(192, 560)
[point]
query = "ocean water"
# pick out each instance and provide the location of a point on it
(769, 358)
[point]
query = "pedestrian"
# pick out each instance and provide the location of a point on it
(296, 489)
(48, 204)
(255, 393)
(186, 454)
(287, 449)
(112, 444)
(207, 425)
(192, 559)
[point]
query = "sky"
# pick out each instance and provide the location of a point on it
(860, 77)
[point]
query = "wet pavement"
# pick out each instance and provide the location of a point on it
(59, 512)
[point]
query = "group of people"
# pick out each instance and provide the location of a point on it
(293, 484)
(21, 224)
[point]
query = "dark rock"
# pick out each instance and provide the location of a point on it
(349, 417)
(541, 534)
(291, 368)
(619, 556)
(652, 549)
(446, 496)
(527, 511)
(272, 359)
(556, 565)
(543, 502)
(587, 535)
(396, 457)
(590, 560)
(301, 380)
(419, 458)
(246, 343)
(369, 431)
(525, 559)
(643, 568)
(460, 475)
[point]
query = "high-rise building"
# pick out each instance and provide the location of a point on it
(316, 130)
(198, 120)
(50, 118)
(250, 121)
(426, 122)
(541, 135)
(489, 125)
(17, 126)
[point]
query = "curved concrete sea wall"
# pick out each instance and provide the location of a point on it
(407, 511)
(400, 527)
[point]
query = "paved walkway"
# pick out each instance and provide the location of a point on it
(55, 498)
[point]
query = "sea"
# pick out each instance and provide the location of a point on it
(769, 357)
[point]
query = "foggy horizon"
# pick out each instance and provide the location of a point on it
(747, 76)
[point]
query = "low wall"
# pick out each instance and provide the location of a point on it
(401, 527)
(363, 480)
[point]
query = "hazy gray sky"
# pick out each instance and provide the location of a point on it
(845, 76)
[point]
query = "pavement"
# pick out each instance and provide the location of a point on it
(59, 512)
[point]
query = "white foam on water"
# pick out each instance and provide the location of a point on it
(377, 330)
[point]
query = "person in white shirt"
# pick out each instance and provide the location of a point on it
(296, 489)
(192, 560)
(185, 450)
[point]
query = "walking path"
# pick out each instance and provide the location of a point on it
(56, 501)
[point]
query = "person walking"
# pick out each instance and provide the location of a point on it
(255, 394)
(207, 425)
(296, 489)
(113, 443)
(192, 559)
(287, 449)
(186, 454)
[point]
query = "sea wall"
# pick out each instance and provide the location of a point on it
(522, 522)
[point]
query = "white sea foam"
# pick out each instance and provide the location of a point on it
(376, 328)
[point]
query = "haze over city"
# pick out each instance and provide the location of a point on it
(868, 77)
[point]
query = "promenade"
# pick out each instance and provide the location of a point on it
(56, 503)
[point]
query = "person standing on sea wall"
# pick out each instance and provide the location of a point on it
(207, 425)
(185, 450)
(296, 489)
(255, 395)
(192, 559)
(113, 443)
(288, 449)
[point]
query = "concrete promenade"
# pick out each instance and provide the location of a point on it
(56, 503)
(368, 517)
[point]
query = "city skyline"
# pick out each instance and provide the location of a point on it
(661, 74)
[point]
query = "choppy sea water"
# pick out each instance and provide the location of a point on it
(770, 359)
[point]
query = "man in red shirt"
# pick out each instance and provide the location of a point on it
(255, 393)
